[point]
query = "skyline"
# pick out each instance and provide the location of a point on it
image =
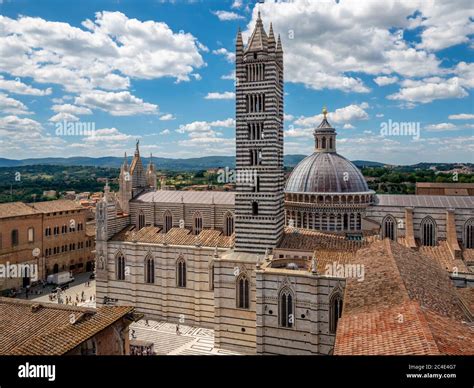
(163, 73)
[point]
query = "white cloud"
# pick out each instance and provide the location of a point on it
(167, 117)
(165, 132)
(327, 44)
(379, 115)
(228, 55)
(226, 15)
(220, 96)
(63, 116)
(206, 126)
(429, 89)
(339, 116)
(237, 4)
(18, 87)
(107, 135)
(288, 117)
(382, 81)
(105, 53)
(441, 127)
(14, 125)
(71, 109)
(348, 126)
(461, 116)
(230, 76)
(116, 103)
(11, 106)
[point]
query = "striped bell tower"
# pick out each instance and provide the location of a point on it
(259, 201)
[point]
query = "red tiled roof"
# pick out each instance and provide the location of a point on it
(31, 328)
(406, 304)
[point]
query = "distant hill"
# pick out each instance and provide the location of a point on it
(191, 164)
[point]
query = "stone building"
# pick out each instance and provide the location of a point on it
(20, 235)
(265, 266)
(53, 236)
(66, 243)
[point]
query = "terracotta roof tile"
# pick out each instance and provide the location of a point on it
(13, 209)
(175, 236)
(31, 328)
(406, 304)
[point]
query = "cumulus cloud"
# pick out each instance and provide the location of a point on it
(227, 15)
(63, 116)
(107, 135)
(167, 117)
(14, 125)
(116, 103)
(104, 53)
(441, 127)
(328, 44)
(71, 109)
(428, 90)
(220, 96)
(461, 116)
(18, 87)
(382, 80)
(228, 55)
(346, 114)
(12, 106)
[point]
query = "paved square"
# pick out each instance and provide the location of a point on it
(192, 340)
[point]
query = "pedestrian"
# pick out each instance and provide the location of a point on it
(177, 329)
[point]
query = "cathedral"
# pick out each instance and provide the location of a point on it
(267, 266)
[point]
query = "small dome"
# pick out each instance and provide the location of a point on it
(324, 172)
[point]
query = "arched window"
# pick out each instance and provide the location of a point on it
(346, 221)
(211, 277)
(286, 308)
(228, 224)
(243, 292)
(317, 143)
(335, 311)
(149, 270)
(330, 142)
(469, 234)
(428, 231)
(168, 224)
(14, 237)
(197, 223)
(120, 266)
(56, 268)
(181, 272)
(323, 145)
(388, 227)
(255, 208)
(31, 235)
(141, 220)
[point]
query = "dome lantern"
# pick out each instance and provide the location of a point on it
(325, 135)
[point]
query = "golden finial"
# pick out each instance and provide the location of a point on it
(325, 111)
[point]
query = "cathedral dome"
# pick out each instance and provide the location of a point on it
(326, 172)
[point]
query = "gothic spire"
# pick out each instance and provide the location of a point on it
(258, 40)
(271, 39)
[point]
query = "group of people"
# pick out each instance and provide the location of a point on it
(69, 300)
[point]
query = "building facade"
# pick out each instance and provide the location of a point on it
(264, 266)
(51, 236)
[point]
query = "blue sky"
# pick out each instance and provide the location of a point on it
(162, 71)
